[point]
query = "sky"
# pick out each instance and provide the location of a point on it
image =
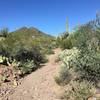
(48, 16)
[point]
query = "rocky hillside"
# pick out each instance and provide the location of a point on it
(31, 31)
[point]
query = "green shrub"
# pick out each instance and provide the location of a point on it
(80, 73)
(64, 76)
(81, 61)
(3, 78)
(78, 91)
(19, 48)
(65, 73)
(62, 40)
(67, 56)
(86, 36)
(25, 49)
(27, 67)
(86, 64)
(46, 49)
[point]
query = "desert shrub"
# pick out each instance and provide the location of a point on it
(45, 45)
(67, 56)
(86, 36)
(62, 40)
(82, 38)
(27, 67)
(46, 49)
(65, 74)
(64, 77)
(81, 61)
(78, 91)
(86, 64)
(26, 50)
(84, 53)
(66, 44)
(80, 73)
(3, 78)
(21, 49)
(24, 55)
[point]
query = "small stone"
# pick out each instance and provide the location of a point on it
(25, 92)
(97, 95)
(15, 83)
(92, 98)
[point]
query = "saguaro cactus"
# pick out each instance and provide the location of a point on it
(67, 25)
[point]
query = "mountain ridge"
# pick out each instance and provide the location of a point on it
(31, 31)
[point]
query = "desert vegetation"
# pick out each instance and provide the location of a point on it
(22, 52)
(25, 50)
(80, 68)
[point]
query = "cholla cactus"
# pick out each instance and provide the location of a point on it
(69, 55)
(2, 58)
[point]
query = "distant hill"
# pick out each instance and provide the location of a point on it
(33, 32)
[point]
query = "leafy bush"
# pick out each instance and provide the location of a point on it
(27, 67)
(25, 49)
(78, 91)
(86, 64)
(21, 47)
(67, 56)
(80, 70)
(3, 78)
(66, 72)
(82, 38)
(62, 40)
(64, 76)
(86, 36)
(81, 60)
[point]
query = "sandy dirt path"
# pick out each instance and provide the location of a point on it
(40, 84)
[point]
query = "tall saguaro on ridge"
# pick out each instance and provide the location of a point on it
(67, 25)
